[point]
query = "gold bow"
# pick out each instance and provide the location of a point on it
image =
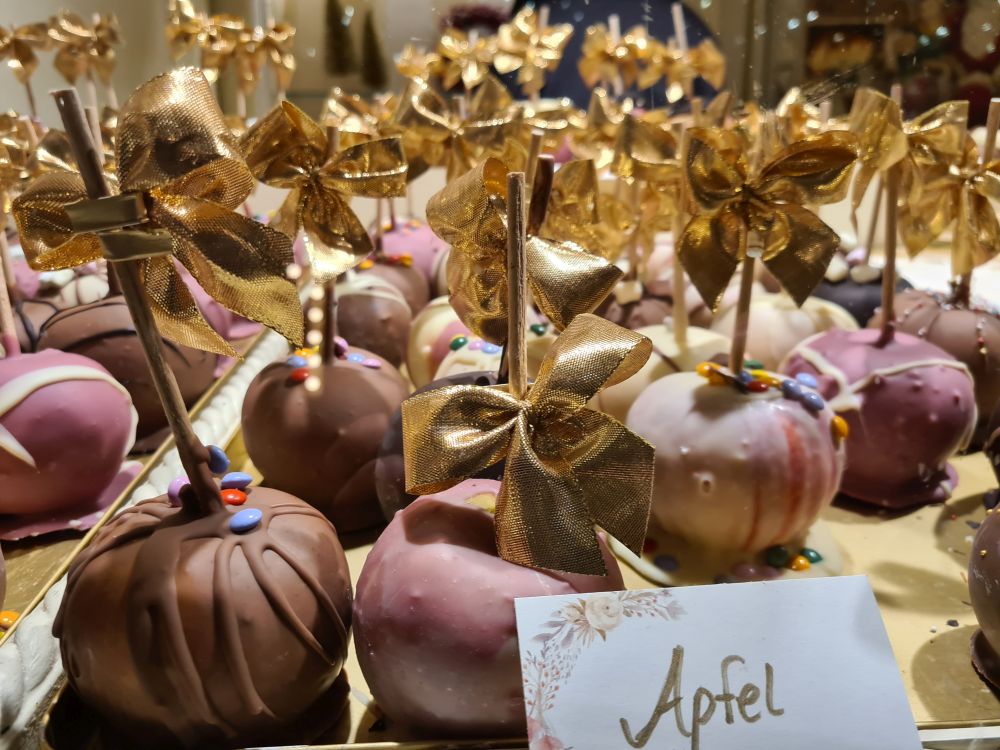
(435, 134)
(796, 245)
(102, 51)
(414, 62)
(579, 212)
(603, 58)
(532, 51)
(12, 170)
(556, 118)
(954, 188)
(597, 140)
(278, 45)
(18, 45)
(286, 149)
(681, 69)
(568, 468)
(353, 117)
(463, 60)
(181, 176)
(74, 39)
(220, 38)
(470, 214)
(248, 58)
(184, 27)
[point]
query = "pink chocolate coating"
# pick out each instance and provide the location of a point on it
(415, 238)
(434, 617)
(909, 406)
(77, 431)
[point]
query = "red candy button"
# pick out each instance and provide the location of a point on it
(299, 375)
(757, 386)
(234, 497)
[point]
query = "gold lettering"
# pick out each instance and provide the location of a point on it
(769, 691)
(748, 696)
(700, 718)
(726, 695)
(670, 700)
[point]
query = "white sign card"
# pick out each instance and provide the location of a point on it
(778, 665)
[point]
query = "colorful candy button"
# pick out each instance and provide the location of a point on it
(812, 401)
(236, 480)
(234, 497)
(489, 348)
(753, 364)
(296, 361)
(218, 461)
(340, 346)
(744, 376)
(245, 520)
(537, 328)
(174, 489)
(458, 342)
(371, 363)
(355, 357)
(476, 345)
(757, 386)
(839, 428)
(299, 375)
(811, 555)
(778, 556)
(791, 389)
(799, 563)
(7, 619)
(807, 379)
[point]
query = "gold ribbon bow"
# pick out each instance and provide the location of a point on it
(181, 176)
(74, 39)
(461, 59)
(287, 149)
(414, 62)
(682, 69)
(954, 188)
(470, 214)
(556, 118)
(579, 212)
(184, 27)
(220, 39)
(433, 133)
(18, 46)
(277, 46)
(603, 58)
(796, 245)
(351, 115)
(12, 171)
(102, 51)
(568, 468)
(604, 117)
(532, 51)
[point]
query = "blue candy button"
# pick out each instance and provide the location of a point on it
(807, 379)
(296, 361)
(245, 520)
(355, 357)
(490, 348)
(218, 461)
(236, 480)
(791, 389)
(812, 400)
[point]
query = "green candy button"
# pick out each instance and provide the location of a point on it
(458, 342)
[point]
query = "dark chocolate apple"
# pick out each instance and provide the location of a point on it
(372, 314)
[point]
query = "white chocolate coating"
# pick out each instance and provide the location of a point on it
(734, 471)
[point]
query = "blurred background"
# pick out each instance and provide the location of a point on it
(937, 49)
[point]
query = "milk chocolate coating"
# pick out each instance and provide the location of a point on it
(3, 579)
(390, 479)
(984, 593)
(410, 282)
(860, 300)
(651, 309)
(181, 633)
(104, 332)
(29, 317)
(435, 632)
(957, 331)
(321, 445)
(370, 318)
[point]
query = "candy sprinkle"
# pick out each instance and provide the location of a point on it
(234, 497)
(811, 555)
(753, 364)
(757, 386)
(355, 357)
(778, 556)
(537, 328)
(489, 348)
(813, 401)
(299, 375)
(245, 520)
(218, 461)
(839, 428)
(340, 346)
(371, 363)
(296, 361)
(791, 389)
(458, 342)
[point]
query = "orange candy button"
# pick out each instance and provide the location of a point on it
(7, 619)
(800, 563)
(234, 497)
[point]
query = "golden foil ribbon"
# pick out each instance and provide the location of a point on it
(556, 118)
(287, 149)
(180, 166)
(470, 214)
(568, 468)
(954, 188)
(220, 38)
(877, 122)
(532, 51)
(414, 62)
(184, 27)
(604, 117)
(735, 201)
(351, 115)
(462, 60)
(74, 39)
(579, 212)
(603, 58)
(433, 133)
(102, 52)
(278, 46)
(18, 46)
(680, 69)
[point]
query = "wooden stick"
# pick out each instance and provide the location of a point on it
(8, 333)
(94, 121)
(633, 243)
(534, 150)
(203, 496)
(516, 286)
(679, 311)
(543, 22)
(615, 32)
(32, 107)
(541, 189)
(392, 213)
(743, 312)
(889, 270)
(328, 344)
(680, 29)
(873, 224)
(697, 110)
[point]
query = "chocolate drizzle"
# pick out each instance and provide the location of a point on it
(171, 666)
